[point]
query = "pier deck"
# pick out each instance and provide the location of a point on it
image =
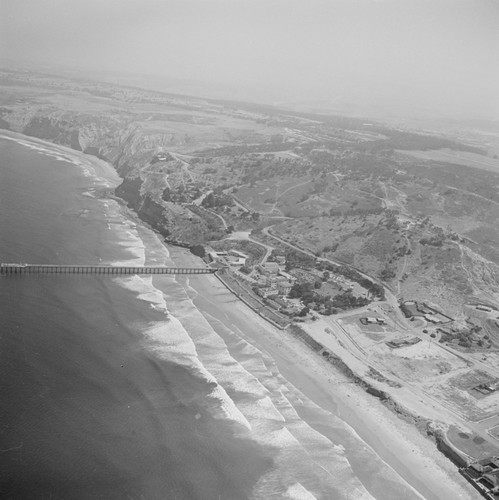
(16, 269)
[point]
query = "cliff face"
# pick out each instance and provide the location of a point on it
(58, 131)
(118, 140)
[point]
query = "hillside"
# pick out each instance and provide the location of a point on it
(342, 188)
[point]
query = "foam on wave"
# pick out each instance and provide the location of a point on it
(59, 154)
(298, 492)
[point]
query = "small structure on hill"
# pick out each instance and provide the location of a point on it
(488, 387)
(483, 308)
(398, 343)
(373, 321)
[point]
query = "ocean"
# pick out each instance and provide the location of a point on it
(130, 387)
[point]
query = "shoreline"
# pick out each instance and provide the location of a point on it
(378, 426)
(423, 465)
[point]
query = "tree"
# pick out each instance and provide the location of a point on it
(325, 275)
(198, 250)
(387, 274)
(304, 312)
(208, 201)
(166, 194)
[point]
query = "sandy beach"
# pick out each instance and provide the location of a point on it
(400, 444)
(413, 458)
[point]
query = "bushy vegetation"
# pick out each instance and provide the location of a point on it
(434, 241)
(295, 258)
(214, 200)
(375, 289)
(325, 303)
(198, 250)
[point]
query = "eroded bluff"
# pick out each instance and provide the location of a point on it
(117, 139)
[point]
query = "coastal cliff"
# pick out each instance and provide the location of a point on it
(130, 150)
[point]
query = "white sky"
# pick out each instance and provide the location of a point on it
(433, 55)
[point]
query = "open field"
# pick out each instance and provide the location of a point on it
(458, 157)
(458, 394)
(471, 444)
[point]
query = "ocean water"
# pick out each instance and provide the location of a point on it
(127, 387)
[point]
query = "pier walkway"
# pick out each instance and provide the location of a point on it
(11, 269)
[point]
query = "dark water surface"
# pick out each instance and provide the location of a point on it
(85, 410)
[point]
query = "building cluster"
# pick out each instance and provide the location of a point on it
(269, 278)
(484, 476)
(488, 387)
(273, 280)
(412, 309)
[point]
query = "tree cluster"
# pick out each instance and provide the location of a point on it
(198, 250)
(375, 289)
(434, 241)
(326, 303)
(213, 200)
(295, 258)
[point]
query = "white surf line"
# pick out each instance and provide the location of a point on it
(63, 153)
(286, 383)
(182, 344)
(296, 432)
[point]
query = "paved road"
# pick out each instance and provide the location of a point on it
(349, 343)
(389, 296)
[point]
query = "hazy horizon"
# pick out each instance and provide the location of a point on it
(359, 56)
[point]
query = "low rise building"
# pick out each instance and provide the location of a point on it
(484, 308)
(267, 292)
(484, 476)
(432, 318)
(291, 279)
(373, 321)
(284, 287)
(217, 256)
(239, 256)
(269, 268)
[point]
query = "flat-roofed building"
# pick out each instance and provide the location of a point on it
(269, 268)
(287, 276)
(284, 287)
(267, 292)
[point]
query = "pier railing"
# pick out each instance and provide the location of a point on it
(10, 269)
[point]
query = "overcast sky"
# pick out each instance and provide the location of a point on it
(433, 55)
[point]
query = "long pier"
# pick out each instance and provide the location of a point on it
(16, 269)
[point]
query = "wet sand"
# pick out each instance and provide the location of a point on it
(412, 456)
(399, 444)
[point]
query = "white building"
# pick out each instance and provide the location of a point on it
(269, 268)
(267, 292)
(284, 287)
